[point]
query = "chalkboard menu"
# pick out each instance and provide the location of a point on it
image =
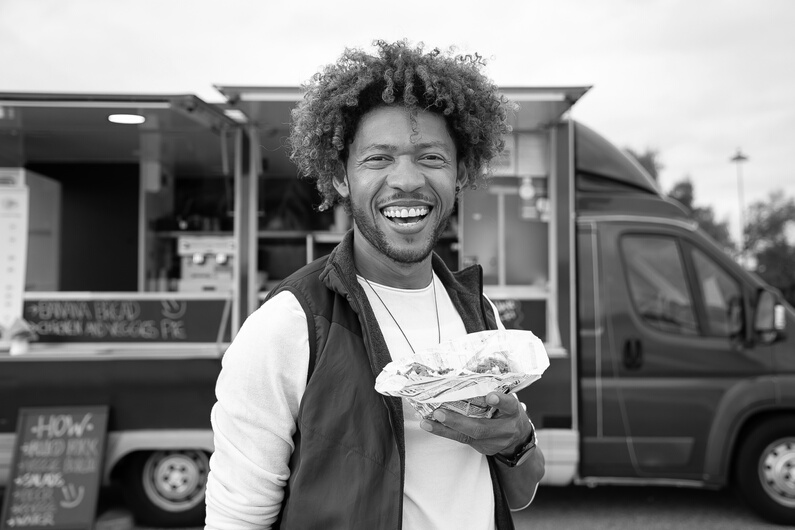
(524, 314)
(56, 469)
(129, 320)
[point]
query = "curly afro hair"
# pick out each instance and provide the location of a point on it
(335, 100)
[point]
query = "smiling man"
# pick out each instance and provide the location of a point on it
(400, 180)
(302, 439)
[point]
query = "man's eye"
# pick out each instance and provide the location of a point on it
(434, 160)
(376, 160)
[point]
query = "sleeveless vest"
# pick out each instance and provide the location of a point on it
(348, 467)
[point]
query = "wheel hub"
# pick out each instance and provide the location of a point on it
(175, 481)
(176, 477)
(777, 471)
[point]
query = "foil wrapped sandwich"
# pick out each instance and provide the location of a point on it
(458, 374)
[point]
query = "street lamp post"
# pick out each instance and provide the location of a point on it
(738, 159)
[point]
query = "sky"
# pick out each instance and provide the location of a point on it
(694, 80)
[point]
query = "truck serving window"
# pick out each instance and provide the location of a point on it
(657, 283)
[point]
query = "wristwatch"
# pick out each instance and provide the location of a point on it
(522, 453)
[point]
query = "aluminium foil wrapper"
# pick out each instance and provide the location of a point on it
(458, 374)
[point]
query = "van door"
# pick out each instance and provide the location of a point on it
(603, 438)
(674, 311)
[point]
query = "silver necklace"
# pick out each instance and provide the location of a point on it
(435, 304)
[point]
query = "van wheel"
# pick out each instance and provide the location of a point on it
(766, 470)
(166, 488)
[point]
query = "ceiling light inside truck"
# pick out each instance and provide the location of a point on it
(126, 119)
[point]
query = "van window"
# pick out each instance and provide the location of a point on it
(721, 295)
(657, 283)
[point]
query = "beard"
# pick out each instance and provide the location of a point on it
(376, 237)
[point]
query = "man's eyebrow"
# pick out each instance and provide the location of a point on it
(438, 144)
(380, 147)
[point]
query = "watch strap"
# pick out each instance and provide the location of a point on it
(522, 453)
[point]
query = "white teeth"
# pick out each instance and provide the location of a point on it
(405, 212)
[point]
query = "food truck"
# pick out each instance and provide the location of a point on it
(669, 363)
(131, 282)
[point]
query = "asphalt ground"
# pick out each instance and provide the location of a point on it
(574, 508)
(636, 507)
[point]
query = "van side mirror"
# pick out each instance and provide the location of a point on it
(769, 318)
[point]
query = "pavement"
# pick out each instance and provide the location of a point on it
(111, 512)
(115, 519)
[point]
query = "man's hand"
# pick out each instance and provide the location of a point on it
(502, 433)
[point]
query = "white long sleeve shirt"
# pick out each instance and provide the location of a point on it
(259, 391)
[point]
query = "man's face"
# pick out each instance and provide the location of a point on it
(401, 182)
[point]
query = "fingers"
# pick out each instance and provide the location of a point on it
(439, 429)
(505, 403)
(502, 422)
(483, 440)
(470, 428)
(485, 435)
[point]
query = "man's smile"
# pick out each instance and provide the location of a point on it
(405, 215)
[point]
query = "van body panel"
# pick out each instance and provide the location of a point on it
(603, 444)
(743, 402)
(785, 389)
(597, 156)
(655, 399)
(617, 200)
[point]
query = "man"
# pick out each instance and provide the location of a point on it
(302, 439)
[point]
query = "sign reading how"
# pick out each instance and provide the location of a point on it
(130, 320)
(56, 469)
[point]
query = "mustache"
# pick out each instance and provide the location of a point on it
(405, 196)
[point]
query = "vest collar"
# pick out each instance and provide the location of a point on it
(464, 287)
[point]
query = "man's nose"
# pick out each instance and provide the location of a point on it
(406, 176)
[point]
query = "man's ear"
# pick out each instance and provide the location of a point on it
(340, 182)
(462, 176)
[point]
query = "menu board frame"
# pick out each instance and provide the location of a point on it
(173, 318)
(48, 437)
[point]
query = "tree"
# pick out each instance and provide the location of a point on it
(703, 215)
(683, 192)
(769, 238)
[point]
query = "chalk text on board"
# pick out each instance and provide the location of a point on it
(172, 329)
(33, 519)
(59, 425)
(40, 480)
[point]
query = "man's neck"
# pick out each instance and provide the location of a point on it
(373, 265)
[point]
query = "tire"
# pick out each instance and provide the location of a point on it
(166, 488)
(765, 471)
